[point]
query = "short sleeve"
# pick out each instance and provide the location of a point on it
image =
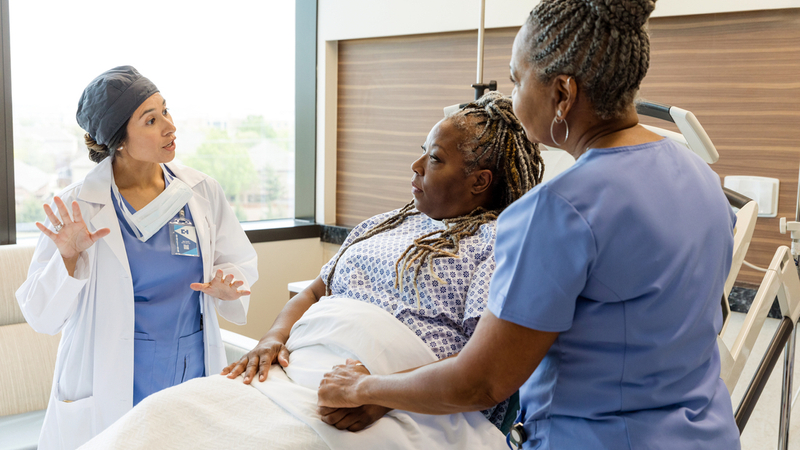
(544, 252)
(356, 232)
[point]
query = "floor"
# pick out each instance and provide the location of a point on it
(761, 431)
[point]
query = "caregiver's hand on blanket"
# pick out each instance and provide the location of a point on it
(352, 419)
(338, 387)
(259, 360)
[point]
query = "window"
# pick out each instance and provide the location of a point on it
(226, 69)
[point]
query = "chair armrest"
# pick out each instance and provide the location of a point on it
(236, 345)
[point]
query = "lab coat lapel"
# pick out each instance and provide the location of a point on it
(97, 190)
(199, 206)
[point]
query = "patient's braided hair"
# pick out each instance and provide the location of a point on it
(494, 140)
(603, 44)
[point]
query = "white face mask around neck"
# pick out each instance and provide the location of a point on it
(147, 221)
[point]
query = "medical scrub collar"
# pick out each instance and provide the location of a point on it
(109, 101)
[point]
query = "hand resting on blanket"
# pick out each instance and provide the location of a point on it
(258, 360)
(271, 349)
(353, 419)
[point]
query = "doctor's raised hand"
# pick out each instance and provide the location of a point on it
(146, 271)
(71, 235)
(222, 288)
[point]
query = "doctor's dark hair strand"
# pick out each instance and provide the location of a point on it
(603, 44)
(99, 152)
(492, 138)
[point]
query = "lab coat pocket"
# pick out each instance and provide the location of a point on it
(190, 362)
(75, 420)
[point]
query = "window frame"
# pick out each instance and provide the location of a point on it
(302, 226)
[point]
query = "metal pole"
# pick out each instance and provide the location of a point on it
(760, 378)
(786, 392)
(797, 208)
(480, 43)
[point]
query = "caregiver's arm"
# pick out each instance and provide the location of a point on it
(271, 348)
(496, 361)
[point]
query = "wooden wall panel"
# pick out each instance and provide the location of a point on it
(738, 72)
(391, 93)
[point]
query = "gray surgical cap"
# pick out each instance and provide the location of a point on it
(109, 101)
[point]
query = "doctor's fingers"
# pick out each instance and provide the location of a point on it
(62, 210)
(48, 211)
(46, 231)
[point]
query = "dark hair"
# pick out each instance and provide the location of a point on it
(603, 44)
(493, 139)
(496, 141)
(99, 152)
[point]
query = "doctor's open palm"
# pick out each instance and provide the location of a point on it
(71, 234)
(221, 287)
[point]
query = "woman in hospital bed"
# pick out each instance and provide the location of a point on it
(407, 288)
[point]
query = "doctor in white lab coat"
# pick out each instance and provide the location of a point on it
(80, 281)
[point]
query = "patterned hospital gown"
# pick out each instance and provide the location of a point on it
(447, 313)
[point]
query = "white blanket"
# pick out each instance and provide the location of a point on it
(217, 412)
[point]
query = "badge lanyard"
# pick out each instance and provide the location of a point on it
(183, 236)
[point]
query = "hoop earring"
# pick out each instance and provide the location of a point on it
(558, 120)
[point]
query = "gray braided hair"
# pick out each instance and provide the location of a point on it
(603, 44)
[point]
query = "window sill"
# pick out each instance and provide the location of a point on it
(274, 230)
(280, 230)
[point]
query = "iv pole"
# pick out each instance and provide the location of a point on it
(479, 86)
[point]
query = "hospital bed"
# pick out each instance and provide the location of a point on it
(733, 359)
(27, 358)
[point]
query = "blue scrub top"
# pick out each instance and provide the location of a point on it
(168, 333)
(625, 254)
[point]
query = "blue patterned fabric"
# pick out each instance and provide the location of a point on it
(448, 312)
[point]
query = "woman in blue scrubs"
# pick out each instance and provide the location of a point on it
(604, 307)
(134, 273)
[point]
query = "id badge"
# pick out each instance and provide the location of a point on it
(183, 237)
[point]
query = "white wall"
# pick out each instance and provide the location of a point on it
(352, 19)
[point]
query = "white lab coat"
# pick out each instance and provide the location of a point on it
(93, 380)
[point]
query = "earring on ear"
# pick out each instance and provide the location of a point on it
(558, 120)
